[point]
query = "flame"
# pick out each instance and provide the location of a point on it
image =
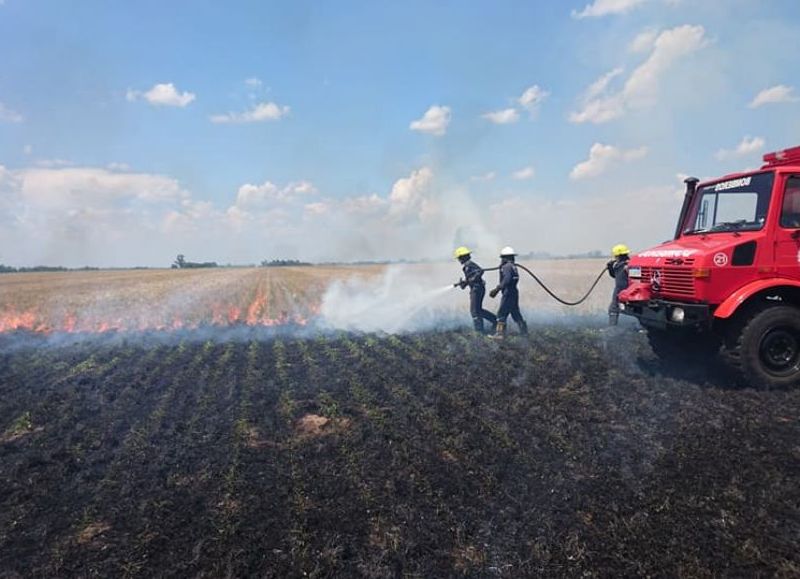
(11, 320)
(253, 310)
(218, 314)
(70, 321)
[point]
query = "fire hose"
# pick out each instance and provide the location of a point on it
(550, 292)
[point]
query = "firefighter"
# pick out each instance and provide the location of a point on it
(618, 269)
(473, 278)
(509, 303)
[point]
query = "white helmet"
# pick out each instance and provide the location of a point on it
(507, 252)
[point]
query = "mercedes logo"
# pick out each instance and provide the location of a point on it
(655, 280)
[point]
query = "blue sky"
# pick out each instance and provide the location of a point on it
(131, 131)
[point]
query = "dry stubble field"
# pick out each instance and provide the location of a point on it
(178, 299)
(302, 452)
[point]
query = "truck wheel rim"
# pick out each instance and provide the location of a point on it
(780, 353)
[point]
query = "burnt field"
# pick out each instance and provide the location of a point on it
(572, 453)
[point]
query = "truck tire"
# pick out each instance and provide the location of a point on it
(765, 347)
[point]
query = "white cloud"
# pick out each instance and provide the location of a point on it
(53, 163)
(99, 217)
(502, 117)
(302, 188)
(433, 122)
(607, 7)
(644, 41)
(747, 146)
(87, 215)
(408, 195)
(532, 98)
(164, 95)
(5, 175)
(641, 88)
(267, 111)
(253, 82)
(601, 157)
(8, 115)
(596, 108)
(316, 209)
(364, 204)
(600, 86)
(253, 196)
(669, 46)
(776, 94)
(77, 187)
(486, 177)
(250, 221)
(600, 110)
(524, 173)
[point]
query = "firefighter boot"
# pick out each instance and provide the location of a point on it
(523, 328)
(477, 323)
(613, 319)
(500, 332)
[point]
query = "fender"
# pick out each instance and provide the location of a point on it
(727, 308)
(636, 291)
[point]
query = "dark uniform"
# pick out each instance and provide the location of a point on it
(509, 303)
(618, 269)
(473, 278)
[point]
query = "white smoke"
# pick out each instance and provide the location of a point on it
(403, 299)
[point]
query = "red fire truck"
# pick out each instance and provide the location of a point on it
(729, 281)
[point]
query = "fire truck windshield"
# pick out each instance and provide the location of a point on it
(734, 205)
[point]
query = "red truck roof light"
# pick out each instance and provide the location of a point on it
(785, 157)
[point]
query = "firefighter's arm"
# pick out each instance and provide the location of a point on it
(460, 283)
(506, 277)
(610, 268)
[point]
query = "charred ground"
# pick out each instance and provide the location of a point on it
(572, 453)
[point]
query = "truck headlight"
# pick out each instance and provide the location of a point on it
(635, 272)
(677, 315)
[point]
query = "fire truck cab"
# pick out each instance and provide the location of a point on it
(729, 281)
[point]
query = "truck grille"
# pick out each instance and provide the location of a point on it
(674, 280)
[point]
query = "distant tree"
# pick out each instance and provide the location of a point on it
(181, 263)
(283, 263)
(41, 268)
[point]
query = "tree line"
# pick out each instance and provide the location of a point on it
(38, 268)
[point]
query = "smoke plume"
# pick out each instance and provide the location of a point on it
(404, 299)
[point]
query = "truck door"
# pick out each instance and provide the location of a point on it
(787, 234)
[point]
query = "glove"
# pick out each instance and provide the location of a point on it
(494, 292)
(610, 268)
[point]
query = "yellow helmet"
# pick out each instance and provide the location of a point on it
(620, 249)
(461, 252)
